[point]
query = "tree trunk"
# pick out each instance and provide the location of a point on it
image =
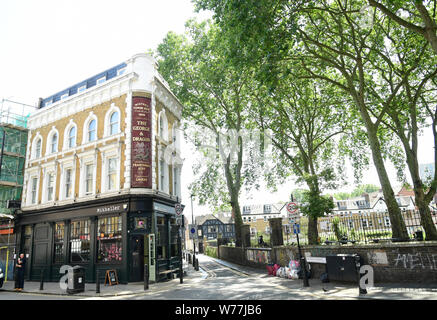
(425, 214)
(419, 195)
(399, 230)
(313, 233)
(237, 220)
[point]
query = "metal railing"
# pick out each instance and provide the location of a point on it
(367, 227)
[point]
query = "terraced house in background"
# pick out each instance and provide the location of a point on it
(102, 176)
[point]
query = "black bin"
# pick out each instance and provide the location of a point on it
(76, 280)
(343, 267)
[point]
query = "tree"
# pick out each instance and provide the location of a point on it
(417, 16)
(331, 41)
(305, 120)
(214, 96)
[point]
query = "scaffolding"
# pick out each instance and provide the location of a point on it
(13, 143)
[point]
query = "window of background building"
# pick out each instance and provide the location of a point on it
(59, 243)
(109, 239)
(80, 241)
(114, 123)
(92, 130)
(112, 173)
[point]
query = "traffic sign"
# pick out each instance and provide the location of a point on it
(292, 207)
(178, 208)
(192, 231)
(296, 228)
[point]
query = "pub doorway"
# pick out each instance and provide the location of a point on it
(136, 273)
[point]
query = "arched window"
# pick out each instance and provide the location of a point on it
(72, 137)
(38, 148)
(92, 130)
(54, 143)
(114, 123)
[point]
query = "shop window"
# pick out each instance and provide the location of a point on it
(109, 239)
(162, 240)
(59, 243)
(80, 241)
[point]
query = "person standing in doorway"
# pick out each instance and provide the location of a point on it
(20, 265)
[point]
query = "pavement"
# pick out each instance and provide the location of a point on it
(250, 283)
(54, 289)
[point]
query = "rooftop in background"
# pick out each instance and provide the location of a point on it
(84, 85)
(15, 113)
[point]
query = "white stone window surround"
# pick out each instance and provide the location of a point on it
(163, 126)
(89, 158)
(107, 128)
(48, 169)
(163, 169)
(110, 152)
(66, 144)
(30, 175)
(85, 135)
(49, 141)
(65, 164)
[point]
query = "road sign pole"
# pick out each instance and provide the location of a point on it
(302, 259)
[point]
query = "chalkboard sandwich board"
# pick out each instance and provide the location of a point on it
(111, 277)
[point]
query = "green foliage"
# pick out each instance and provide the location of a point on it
(211, 251)
(316, 205)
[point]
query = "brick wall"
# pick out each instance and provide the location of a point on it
(393, 262)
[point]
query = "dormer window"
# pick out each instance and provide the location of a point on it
(267, 208)
(48, 103)
(121, 71)
(81, 88)
(64, 96)
(101, 80)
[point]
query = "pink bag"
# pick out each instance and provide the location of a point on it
(275, 269)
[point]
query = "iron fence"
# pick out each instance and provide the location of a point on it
(367, 227)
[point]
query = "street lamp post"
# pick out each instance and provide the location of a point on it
(192, 221)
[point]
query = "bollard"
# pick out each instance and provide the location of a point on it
(146, 277)
(41, 283)
(181, 274)
(97, 281)
(196, 264)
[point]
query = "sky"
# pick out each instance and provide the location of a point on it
(48, 45)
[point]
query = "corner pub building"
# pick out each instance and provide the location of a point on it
(102, 177)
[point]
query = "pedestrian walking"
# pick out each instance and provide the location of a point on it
(20, 267)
